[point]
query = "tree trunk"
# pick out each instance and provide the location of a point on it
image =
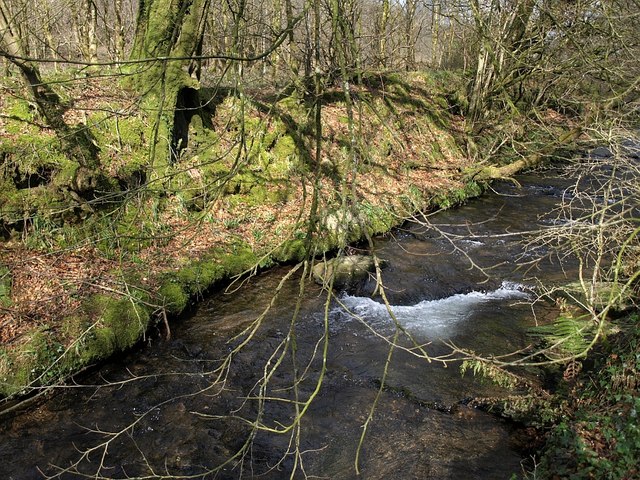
(51, 50)
(92, 29)
(119, 28)
(435, 33)
(276, 26)
(47, 101)
(501, 32)
(493, 172)
(481, 87)
(409, 34)
(169, 33)
(76, 142)
(80, 31)
(383, 21)
(292, 60)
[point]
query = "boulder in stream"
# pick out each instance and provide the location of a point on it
(344, 271)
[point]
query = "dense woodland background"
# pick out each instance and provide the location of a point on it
(517, 53)
(520, 62)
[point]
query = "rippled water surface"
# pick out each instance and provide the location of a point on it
(168, 410)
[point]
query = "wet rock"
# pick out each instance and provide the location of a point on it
(344, 271)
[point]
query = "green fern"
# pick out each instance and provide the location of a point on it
(566, 336)
(485, 369)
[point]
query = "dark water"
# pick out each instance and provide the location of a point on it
(171, 409)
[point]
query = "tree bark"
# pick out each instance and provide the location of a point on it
(493, 172)
(435, 34)
(292, 60)
(409, 34)
(383, 21)
(50, 48)
(501, 32)
(76, 142)
(92, 29)
(169, 34)
(79, 30)
(119, 27)
(276, 25)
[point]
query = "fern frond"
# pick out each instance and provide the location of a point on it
(567, 335)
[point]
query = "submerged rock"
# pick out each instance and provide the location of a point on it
(344, 271)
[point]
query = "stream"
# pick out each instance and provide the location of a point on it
(168, 409)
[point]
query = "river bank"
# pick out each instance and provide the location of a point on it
(190, 411)
(83, 278)
(217, 398)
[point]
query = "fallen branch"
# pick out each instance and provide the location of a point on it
(506, 172)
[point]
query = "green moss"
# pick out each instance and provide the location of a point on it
(283, 156)
(114, 131)
(284, 147)
(173, 296)
(271, 135)
(441, 103)
(65, 175)
(74, 326)
(261, 195)
(101, 344)
(21, 110)
(33, 363)
(125, 317)
(197, 278)
(177, 288)
(456, 196)
(436, 151)
(5, 286)
(473, 189)
(33, 152)
(239, 261)
(209, 272)
(292, 250)
(15, 371)
(131, 228)
(7, 187)
(109, 325)
(412, 201)
(597, 435)
(378, 219)
(97, 343)
(293, 105)
(124, 143)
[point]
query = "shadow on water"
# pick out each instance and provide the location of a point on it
(178, 421)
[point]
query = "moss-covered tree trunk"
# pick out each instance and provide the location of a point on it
(506, 172)
(411, 7)
(76, 141)
(168, 40)
(383, 22)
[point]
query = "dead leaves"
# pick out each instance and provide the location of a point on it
(46, 288)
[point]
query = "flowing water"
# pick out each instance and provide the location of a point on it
(163, 410)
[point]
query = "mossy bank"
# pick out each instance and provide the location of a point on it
(85, 274)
